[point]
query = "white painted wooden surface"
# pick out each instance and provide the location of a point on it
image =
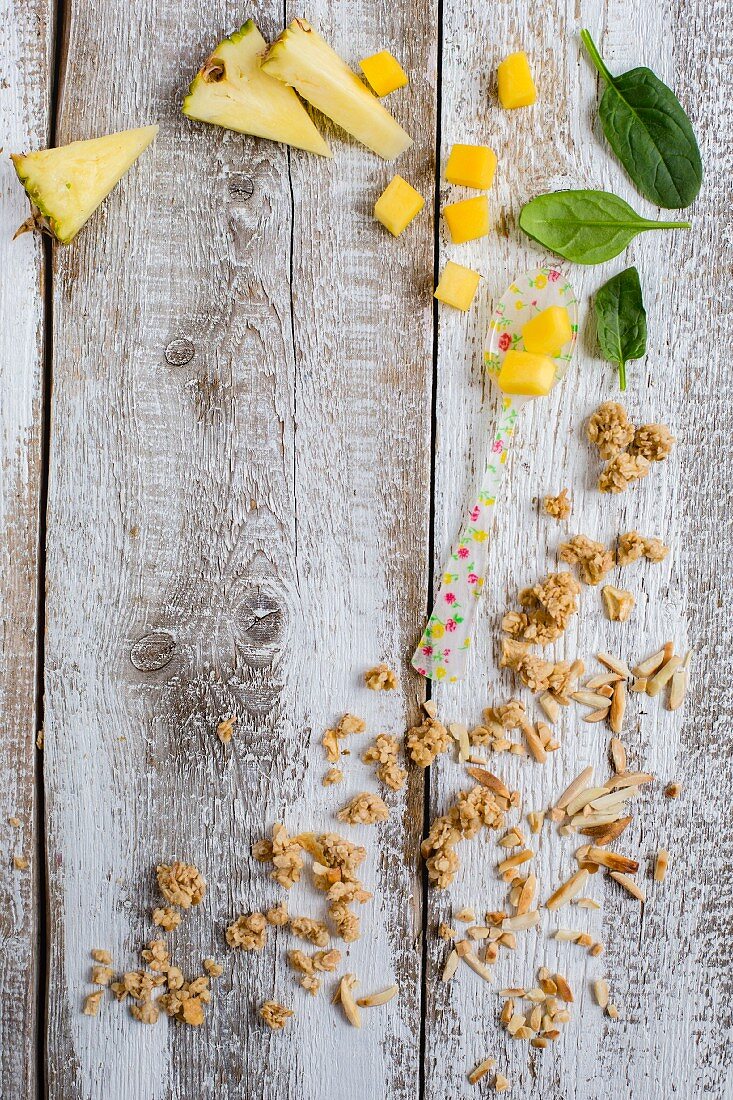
(24, 91)
(238, 521)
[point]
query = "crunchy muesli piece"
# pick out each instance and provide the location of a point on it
(284, 852)
(349, 724)
(381, 678)
(225, 729)
(384, 752)
(592, 558)
(92, 1002)
(156, 956)
(610, 429)
(184, 1006)
(262, 851)
(632, 547)
(300, 961)
(471, 810)
(446, 932)
(618, 603)
(213, 968)
(510, 715)
(534, 672)
(327, 961)
(166, 917)
(15, 822)
(275, 1015)
(147, 1012)
(364, 809)
(512, 651)
(622, 471)
(180, 884)
(563, 678)
(102, 975)
(314, 931)
(558, 507)
(277, 915)
(101, 956)
(345, 921)
(174, 978)
(548, 606)
(310, 983)
(332, 776)
(248, 932)
(426, 741)
(138, 984)
(652, 441)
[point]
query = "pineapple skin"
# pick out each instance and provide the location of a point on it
(36, 171)
(301, 58)
(280, 116)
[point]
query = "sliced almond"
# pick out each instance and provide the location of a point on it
(618, 706)
(460, 733)
(629, 779)
(660, 865)
(578, 784)
(639, 684)
(569, 935)
(605, 834)
(563, 989)
(614, 664)
(587, 903)
(613, 860)
(603, 680)
(481, 1070)
(430, 708)
(590, 698)
(677, 689)
(672, 790)
(451, 965)
(596, 715)
(347, 1000)
(487, 779)
(516, 860)
(526, 896)
(507, 1011)
(373, 1000)
(477, 966)
(650, 665)
(618, 756)
(535, 819)
(550, 706)
(478, 932)
(521, 921)
(600, 992)
(661, 678)
(590, 818)
(514, 1024)
(614, 798)
(583, 799)
(534, 743)
(629, 885)
(567, 891)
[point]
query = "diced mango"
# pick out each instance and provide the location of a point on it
(516, 86)
(384, 72)
(526, 374)
(457, 286)
(548, 332)
(471, 166)
(468, 219)
(398, 204)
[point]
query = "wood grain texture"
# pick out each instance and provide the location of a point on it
(235, 432)
(25, 34)
(662, 961)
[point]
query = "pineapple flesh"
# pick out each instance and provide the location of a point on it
(66, 185)
(231, 90)
(301, 58)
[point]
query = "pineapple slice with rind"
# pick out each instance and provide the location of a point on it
(66, 185)
(232, 91)
(301, 58)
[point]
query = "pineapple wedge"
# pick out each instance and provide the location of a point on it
(231, 90)
(66, 185)
(301, 58)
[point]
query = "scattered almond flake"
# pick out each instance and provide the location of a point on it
(614, 861)
(516, 1022)
(550, 706)
(496, 916)
(508, 940)
(629, 885)
(661, 679)
(563, 989)
(521, 922)
(180, 884)
(678, 688)
(465, 915)
(481, 1070)
(364, 809)
(605, 833)
(534, 743)
(628, 779)
(639, 685)
(248, 932)
(632, 546)
(672, 790)
(603, 679)
(567, 891)
(40, 739)
(515, 991)
(476, 965)
(597, 715)
(565, 830)
(586, 903)
(590, 699)
(618, 756)
(373, 1000)
(92, 1002)
(490, 781)
(501, 1083)
(577, 785)
(651, 665)
(583, 799)
(526, 895)
(614, 798)
(490, 952)
(478, 932)
(225, 729)
(517, 749)
(610, 429)
(451, 965)
(332, 776)
(20, 863)
(515, 860)
(600, 992)
(596, 949)
(556, 814)
(539, 1041)
(592, 558)
(612, 1011)
(15, 822)
(614, 664)
(381, 678)
(660, 865)
(536, 819)
(618, 603)
(430, 708)
(426, 741)
(275, 1015)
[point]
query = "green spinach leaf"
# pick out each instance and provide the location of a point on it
(587, 227)
(621, 320)
(650, 133)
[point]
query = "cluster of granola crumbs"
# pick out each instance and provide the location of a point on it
(558, 507)
(632, 547)
(92, 1002)
(277, 915)
(310, 965)
(166, 917)
(225, 729)
(381, 678)
(348, 724)
(622, 471)
(653, 442)
(471, 810)
(101, 974)
(592, 558)
(332, 776)
(275, 1015)
(364, 809)
(310, 930)
(384, 752)
(610, 429)
(426, 741)
(284, 852)
(213, 968)
(180, 884)
(630, 451)
(186, 1004)
(248, 931)
(548, 608)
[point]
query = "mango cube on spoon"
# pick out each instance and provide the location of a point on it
(526, 375)
(547, 332)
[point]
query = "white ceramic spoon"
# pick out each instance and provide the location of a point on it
(445, 644)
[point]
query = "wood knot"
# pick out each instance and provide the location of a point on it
(153, 651)
(241, 188)
(179, 352)
(261, 620)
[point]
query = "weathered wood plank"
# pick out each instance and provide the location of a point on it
(661, 961)
(24, 101)
(225, 515)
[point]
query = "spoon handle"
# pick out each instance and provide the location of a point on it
(444, 646)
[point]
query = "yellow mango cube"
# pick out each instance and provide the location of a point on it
(468, 219)
(548, 332)
(471, 166)
(457, 286)
(525, 374)
(384, 72)
(398, 204)
(516, 86)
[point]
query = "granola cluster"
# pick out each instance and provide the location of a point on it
(336, 861)
(248, 932)
(166, 917)
(610, 429)
(277, 915)
(309, 966)
(225, 729)
(348, 724)
(180, 884)
(618, 603)
(364, 809)
(653, 442)
(426, 741)
(381, 678)
(471, 810)
(630, 451)
(632, 546)
(384, 752)
(558, 507)
(187, 1003)
(548, 608)
(332, 776)
(622, 471)
(310, 930)
(284, 852)
(275, 1015)
(592, 558)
